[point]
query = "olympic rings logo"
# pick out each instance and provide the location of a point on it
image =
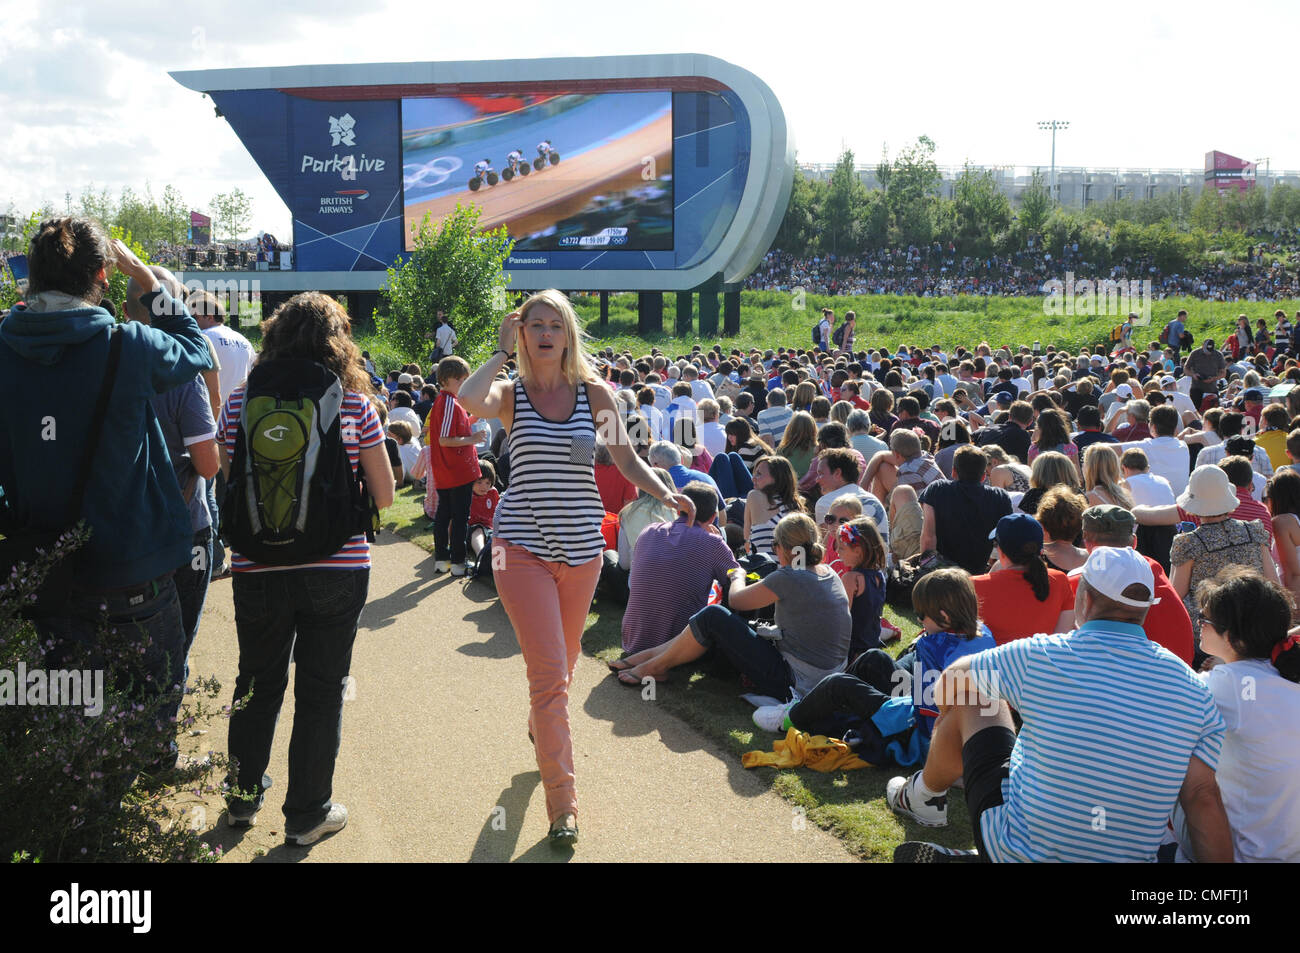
(434, 172)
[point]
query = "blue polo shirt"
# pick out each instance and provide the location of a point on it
(682, 476)
(1111, 720)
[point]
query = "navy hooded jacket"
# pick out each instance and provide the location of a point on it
(51, 367)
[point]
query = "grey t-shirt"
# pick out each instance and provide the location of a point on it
(185, 416)
(812, 611)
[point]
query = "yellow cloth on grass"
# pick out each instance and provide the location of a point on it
(804, 750)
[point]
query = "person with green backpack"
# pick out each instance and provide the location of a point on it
(295, 438)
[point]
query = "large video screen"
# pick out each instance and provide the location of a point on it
(561, 171)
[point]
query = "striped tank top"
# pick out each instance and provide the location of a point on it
(552, 507)
(762, 536)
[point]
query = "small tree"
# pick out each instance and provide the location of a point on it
(231, 213)
(1035, 206)
(456, 269)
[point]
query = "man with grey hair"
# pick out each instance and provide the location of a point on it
(666, 455)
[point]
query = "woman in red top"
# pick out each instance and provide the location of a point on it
(1020, 596)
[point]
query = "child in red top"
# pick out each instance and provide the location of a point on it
(454, 465)
(482, 508)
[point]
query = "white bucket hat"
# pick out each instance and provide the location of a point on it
(1209, 493)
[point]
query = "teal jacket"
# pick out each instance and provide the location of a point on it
(51, 366)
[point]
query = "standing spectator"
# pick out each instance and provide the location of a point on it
(59, 343)
(548, 522)
(306, 612)
(1206, 367)
(454, 467)
(1173, 335)
(190, 433)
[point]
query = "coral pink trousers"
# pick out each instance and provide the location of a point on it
(548, 604)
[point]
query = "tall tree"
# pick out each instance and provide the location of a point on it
(843, 209)
(982, 212)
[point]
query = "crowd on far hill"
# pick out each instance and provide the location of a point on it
(939, 270)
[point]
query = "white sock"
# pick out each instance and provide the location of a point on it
(925, 793)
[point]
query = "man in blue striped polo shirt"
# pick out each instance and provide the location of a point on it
(1116, 729)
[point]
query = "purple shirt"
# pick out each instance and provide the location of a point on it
(673, 570)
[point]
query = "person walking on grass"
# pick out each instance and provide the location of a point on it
(547, 544)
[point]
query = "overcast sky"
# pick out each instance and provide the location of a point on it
(85, 96)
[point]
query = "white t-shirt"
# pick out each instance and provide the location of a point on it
(236, 355)
(1168, 457)
(445, 338)
(1259, 766)
(1148, 489)
(714, 438)
(409, 453)
(407, 415)
(700, 390)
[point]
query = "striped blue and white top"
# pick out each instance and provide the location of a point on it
(552, 507)
(1111, 720)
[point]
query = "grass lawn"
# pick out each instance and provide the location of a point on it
(849, 803)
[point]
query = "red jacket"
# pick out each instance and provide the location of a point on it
(451, 466)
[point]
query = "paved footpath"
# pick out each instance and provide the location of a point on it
(435, 763)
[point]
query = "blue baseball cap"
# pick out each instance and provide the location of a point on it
(1015, 534)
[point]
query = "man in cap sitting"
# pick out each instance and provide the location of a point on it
(1087, 698)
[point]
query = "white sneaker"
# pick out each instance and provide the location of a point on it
(772, 717)
(902, 796)
(335, 820)
(442, 565)
(458, 569)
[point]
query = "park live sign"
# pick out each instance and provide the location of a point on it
(609, 173)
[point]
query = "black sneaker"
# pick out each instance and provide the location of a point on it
(921, 852)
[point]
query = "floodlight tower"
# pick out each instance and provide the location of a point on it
(1054, 125)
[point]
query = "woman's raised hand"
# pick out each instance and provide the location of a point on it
(509, 335)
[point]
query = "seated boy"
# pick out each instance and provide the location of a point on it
(482, 507)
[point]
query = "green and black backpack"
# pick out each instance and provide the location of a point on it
(292, 497)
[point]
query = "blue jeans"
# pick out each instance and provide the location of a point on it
(720, 629)
(152, 612)
(320, 607)
(192, 588)
(731, 475)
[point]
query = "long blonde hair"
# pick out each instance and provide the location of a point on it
(1054, 469)
(800, 434)
(576, 365)
(1101, 469)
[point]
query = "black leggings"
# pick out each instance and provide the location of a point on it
(853, 695)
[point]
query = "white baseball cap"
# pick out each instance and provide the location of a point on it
(1168, 381)
(1123, 390)
(405, 379)
(1110, 570)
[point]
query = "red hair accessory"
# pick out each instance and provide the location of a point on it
(849, 535)
(1284, 646)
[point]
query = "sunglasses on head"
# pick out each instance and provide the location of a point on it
(835, 519)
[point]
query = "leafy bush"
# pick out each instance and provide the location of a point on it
(69, 781)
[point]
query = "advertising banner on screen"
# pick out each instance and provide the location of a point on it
(561, 172)
(200, 228)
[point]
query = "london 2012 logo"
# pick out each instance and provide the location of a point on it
(342, 131)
